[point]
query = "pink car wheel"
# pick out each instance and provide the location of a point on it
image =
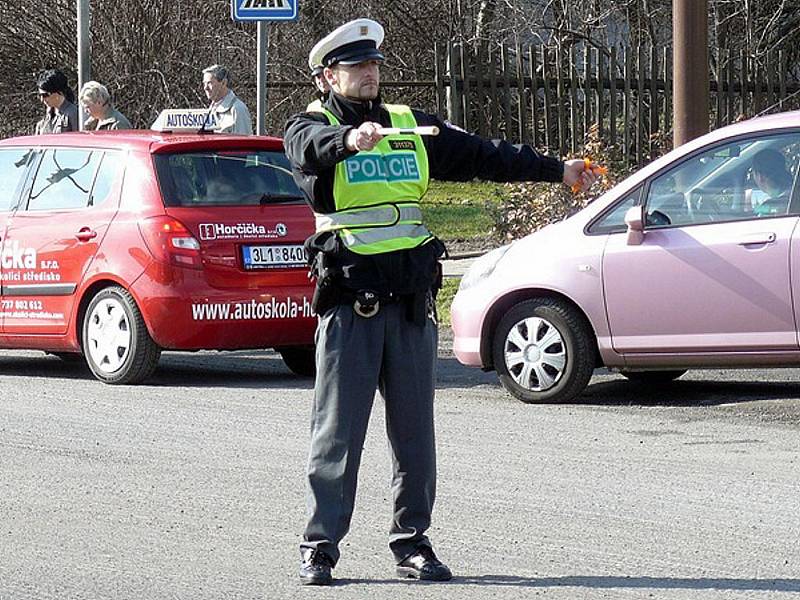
(544, 351)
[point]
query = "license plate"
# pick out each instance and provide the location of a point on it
(270, 257)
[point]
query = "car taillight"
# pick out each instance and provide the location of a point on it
(169, 241)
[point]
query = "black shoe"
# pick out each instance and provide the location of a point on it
(423, 564)
(315, 568)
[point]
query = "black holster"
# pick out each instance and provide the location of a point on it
(320, 249)
(327, 291)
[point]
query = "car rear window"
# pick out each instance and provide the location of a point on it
(226, 178)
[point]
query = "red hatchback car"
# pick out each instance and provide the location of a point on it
(116, 245)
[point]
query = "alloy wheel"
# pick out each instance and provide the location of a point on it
(535, 354)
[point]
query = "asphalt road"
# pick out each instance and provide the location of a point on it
(192, 487)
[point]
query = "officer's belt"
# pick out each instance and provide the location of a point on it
(367, 303)
(386, 215)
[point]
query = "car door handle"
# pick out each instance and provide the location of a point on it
(86, 234)
(757, 238)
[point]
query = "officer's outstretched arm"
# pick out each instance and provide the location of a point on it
(314, 145)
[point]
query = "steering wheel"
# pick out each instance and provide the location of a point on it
(704, 205)
(657, 218)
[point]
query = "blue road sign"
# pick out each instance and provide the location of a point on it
(264, 10)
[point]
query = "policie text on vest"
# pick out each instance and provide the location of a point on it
(364, 168)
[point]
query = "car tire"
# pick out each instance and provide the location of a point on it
(550, 364)
(117, 346)
(653, 377)
(301, 360)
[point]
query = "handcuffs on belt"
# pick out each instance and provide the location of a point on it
(367, 304)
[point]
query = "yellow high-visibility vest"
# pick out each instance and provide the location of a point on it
(377, 192)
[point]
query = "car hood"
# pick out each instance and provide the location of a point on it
(556, 257)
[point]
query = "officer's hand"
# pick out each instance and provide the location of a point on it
(363, 138)
(577, 176)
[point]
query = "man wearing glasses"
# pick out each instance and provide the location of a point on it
(55, 94)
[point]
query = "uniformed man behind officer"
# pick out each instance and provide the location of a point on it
(61, 113)
(377, 268)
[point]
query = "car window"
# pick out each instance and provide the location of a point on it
(242, 178)
(110, 169)
(13, 162)
(613, 220)
(64, 179)
(749, 178)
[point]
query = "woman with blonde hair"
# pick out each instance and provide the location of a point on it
(102, 115)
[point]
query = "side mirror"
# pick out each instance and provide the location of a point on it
(634, 219)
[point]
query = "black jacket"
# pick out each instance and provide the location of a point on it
(314, 148)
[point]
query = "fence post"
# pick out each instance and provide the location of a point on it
(438, 78)
(654, 100)
(769, 68)
(743, 86)
(574, 112)
(479, 89)
(534, 96)
(626, 132)
(601, 107)
(454, 97)
(493, 90)
(612, 71)
(521, 104)
(548, 120)
(463, 55)
(731, 97)
(653, 128)
(639, 107)
(587, 88)
(782, 71)
(507, 119)
(757, 96)
(718, 83)
(562, 129)
(667, 89)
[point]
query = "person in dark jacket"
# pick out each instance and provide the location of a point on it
(54, 92)
(377, 271)
(774, 179)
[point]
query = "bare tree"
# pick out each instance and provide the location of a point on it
(150, 52)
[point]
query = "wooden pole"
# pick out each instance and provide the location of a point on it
(690, 58)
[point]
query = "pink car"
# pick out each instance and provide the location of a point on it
(691, 262)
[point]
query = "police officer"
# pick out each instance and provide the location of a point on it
(377, 268)
(320, 86)
(61, 114)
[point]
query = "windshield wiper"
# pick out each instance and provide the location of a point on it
(278, 198)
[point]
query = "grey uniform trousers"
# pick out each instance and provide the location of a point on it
(356, 356)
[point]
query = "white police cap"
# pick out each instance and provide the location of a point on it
(350, 44)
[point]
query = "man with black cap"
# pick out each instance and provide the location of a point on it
(377, 271)
(55, 94)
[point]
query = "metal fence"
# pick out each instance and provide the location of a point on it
(553, 99)
(559, 100)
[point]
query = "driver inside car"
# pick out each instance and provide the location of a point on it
(771, 176)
